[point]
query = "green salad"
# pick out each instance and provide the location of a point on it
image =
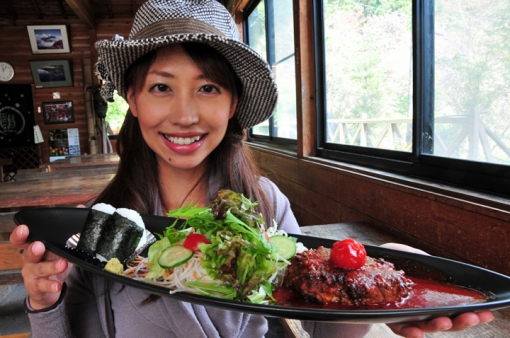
(222, 250)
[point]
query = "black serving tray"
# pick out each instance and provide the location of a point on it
(54, 226)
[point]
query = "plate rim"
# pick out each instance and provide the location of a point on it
(323, 315)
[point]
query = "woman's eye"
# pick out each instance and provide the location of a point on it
(160, 88)
(210, 89)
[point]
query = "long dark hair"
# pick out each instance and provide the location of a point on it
(136, 185)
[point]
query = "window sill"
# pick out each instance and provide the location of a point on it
(468, 199)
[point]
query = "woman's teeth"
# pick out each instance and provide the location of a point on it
(183, 140)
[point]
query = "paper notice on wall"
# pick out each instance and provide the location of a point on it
(74, 141)
(37, 135)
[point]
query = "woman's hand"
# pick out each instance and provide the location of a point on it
(418, 329)
(459, 323)
(43, 272)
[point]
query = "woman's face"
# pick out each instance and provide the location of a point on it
(183, 116)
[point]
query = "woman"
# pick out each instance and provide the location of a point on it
(192, 88)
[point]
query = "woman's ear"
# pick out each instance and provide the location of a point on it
(132, 102)
(233, 108)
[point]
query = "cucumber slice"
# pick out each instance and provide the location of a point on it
(285, 245)
(174, 256)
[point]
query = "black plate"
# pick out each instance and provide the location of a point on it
(53, 226)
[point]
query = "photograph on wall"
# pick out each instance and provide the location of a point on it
(48, 39)
(16, 115)
(64, 142)
(58, 112)
(51, 73)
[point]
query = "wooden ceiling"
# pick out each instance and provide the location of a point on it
(88, 11)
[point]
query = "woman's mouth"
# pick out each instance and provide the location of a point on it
(184, 145)
(184, 140)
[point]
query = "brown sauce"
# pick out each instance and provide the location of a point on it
(425, 293)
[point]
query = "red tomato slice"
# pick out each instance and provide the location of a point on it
(266, 236)
(348, 254)
(193, 240)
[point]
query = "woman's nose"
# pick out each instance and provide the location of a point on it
(184, 111)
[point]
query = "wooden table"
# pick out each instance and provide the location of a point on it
(84, 160)
(368, 234)
(52, 191)
(4, 161)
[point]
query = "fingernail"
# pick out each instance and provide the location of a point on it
(54, 287)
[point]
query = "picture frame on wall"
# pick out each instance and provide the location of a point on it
(51, 73)
(48, 39)
(58, 112)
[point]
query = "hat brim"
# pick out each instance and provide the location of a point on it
(259, 94)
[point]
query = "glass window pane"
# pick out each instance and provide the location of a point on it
(284, 70)
(257, 30)
(368, 70)
(472, 77)
(285, 113)
(283, 29)
(257, 41)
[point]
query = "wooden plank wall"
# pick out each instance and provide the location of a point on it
(440, 221)
(18, 53)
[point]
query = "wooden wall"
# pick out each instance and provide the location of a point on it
(451, 223)
(444, 222)
(16, 51)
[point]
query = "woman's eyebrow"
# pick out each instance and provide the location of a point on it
(170, 75)
(162, 73)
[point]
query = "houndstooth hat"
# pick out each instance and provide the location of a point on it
(163, 22)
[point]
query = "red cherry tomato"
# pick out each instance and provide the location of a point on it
(348, 254)
(193, 240)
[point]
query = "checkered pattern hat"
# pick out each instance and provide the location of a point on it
(163, 22)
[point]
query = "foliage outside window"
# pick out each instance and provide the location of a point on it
(436, 102)
(270, 32)
(472, 80)
(368, 56)
(116, 113)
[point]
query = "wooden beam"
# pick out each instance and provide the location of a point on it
(82, 9)
(62, 9)
(110, 9)
(133, 7)
(39, 14)
(305, 77)
(239, 5)
(7, 22)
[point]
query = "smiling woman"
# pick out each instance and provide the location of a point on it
(192, 87)
(183, 112)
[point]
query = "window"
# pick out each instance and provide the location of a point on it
(418, 87)
(116, 113)
(270, 31)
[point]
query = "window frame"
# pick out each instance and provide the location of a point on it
(270, 57)
(486, 177)
(465, 174)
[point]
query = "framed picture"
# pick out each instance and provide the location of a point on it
(51, 73)
(48, 39)
(58, 112)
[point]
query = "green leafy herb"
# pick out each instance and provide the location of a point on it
(239, 260)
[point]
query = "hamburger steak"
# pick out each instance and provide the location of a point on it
(314, 278)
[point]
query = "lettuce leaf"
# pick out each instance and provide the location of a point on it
(239, 259)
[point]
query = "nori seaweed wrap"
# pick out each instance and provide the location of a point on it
(121, 235)
(94, 226)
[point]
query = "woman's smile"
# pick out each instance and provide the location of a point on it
(183, 115)
(184, 145)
